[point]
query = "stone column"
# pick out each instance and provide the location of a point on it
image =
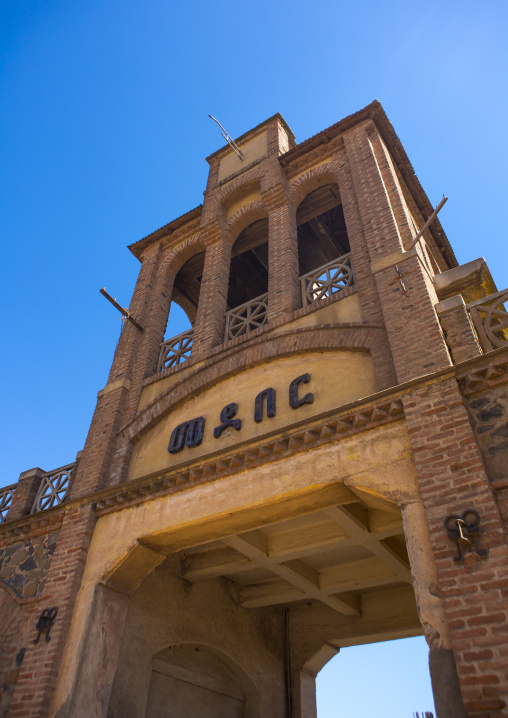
(443, 671)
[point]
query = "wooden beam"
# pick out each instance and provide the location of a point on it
(357, 530)
(219, 562)
(269, 593)
(355, 576)
(292, 575)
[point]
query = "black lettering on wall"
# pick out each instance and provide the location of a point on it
(294, 401)
(226, 417)
(190, 433)
(269, 394)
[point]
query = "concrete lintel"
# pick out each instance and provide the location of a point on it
(31, 474)
(391, 259)
(473, 280)
(449, 305)
(122, 382)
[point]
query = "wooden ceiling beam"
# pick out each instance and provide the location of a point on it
(294, 575)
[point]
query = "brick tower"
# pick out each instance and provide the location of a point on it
(320, 462)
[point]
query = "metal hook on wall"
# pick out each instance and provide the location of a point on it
(465, 531)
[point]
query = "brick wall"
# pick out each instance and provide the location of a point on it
(404, 336)
(39, 671)
(452, 479)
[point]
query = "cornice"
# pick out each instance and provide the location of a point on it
(283, 446)
(474, 375)
(491, 371)
(34, 524)
(188, 221)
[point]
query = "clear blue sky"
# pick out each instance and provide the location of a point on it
(104, 129)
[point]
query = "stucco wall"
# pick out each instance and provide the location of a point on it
(336, 378)
(166, 610)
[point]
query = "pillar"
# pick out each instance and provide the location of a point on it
(41, 663)
(429, 601)
(405, 290)
(135, 356)
(283, 272)
(209, 327)
(458, 329)
(452, 479)
(24, 494)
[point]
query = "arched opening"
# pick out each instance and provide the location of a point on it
(193, 680)
(247, 300)
(177, 345)
(396, 673)
(323, 245)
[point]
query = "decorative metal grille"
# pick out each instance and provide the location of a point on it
(327, 280)
(53, 488)
(491, 320)
(246, 317)
(6, 495)
(176, 350)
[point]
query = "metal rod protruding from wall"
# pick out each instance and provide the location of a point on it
(430, 219)
(228, 139)
(125, 312)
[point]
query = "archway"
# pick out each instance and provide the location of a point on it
(177, 344)
(247, 298)
(199, 681)
(396, 673)
(322, 233)
(323, 245)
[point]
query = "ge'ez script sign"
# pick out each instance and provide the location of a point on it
(191, 432)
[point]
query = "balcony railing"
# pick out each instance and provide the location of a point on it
(327, 280)
(176, 350)
(6, 495)
(490, 319)
(53, 488)
(246, 317)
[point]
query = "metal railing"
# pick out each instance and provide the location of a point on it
(53, 488)
(246, 317)
(327, 280)
(490, 320)
(176, 350)
(6, 495)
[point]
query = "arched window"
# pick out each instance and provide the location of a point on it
(177, 345)
(247, 301)
(323, 245)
